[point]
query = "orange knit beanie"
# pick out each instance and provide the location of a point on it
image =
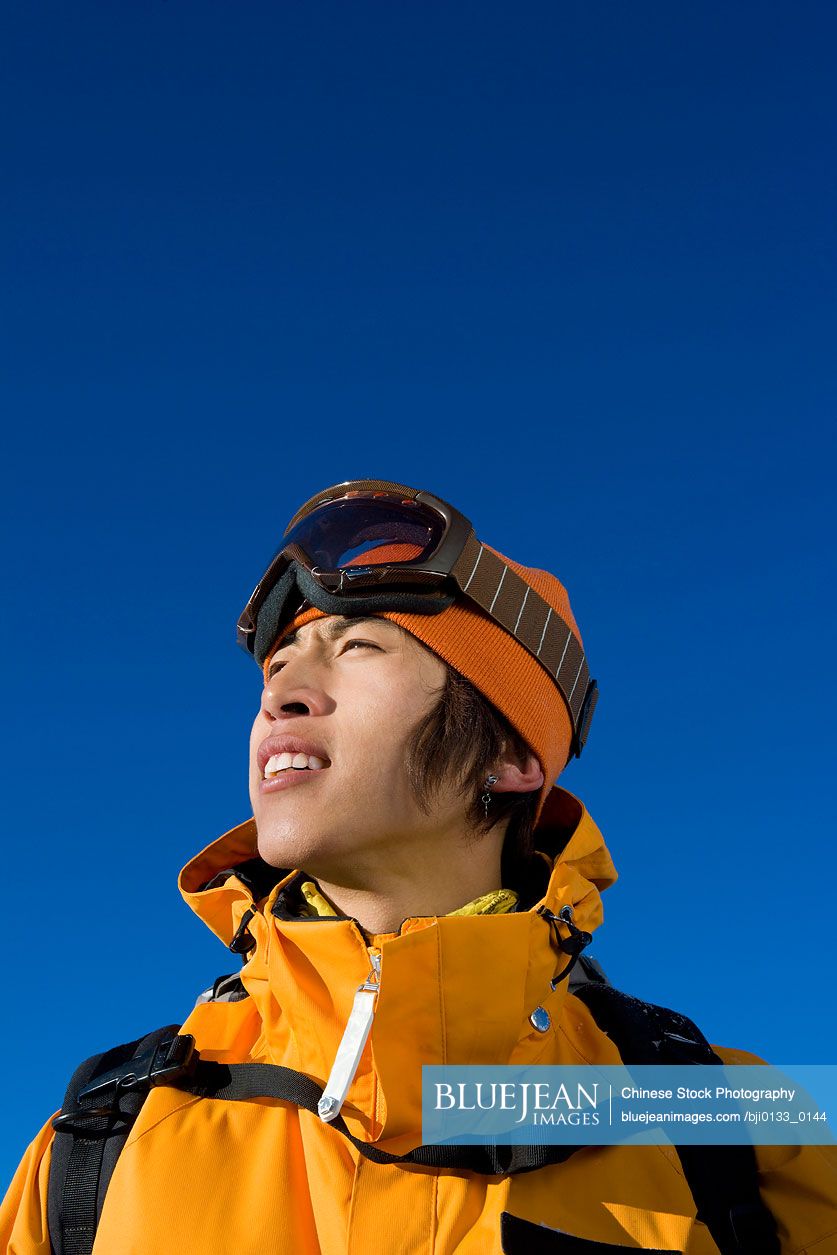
(494, 662)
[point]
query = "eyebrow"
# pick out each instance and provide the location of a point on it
(334, 629)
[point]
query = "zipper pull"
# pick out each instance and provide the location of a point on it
(351, 1045)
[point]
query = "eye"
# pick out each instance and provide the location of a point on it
(352, 644)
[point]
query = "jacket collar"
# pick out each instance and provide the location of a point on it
(454, 989)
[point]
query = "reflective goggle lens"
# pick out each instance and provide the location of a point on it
(367, 531)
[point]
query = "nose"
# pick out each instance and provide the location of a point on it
(290, 693)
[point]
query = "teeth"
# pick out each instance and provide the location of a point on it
(300, 762)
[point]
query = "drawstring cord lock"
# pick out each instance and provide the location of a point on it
(243, 939)
(572, 945)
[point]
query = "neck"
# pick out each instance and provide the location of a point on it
(434, 883)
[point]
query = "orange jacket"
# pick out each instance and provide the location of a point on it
(211, 1177)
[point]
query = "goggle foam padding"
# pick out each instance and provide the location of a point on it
(297, 585)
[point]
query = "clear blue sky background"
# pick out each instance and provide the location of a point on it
(569, 265)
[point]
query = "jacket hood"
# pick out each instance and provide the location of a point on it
(453, 989)
(229, 874)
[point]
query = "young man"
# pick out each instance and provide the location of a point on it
(410, 890)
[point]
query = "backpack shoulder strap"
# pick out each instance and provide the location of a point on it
(92, 1128)
(723, 1179)
(89, 1135)
(106, 1094)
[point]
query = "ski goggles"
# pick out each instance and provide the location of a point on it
(368, 546)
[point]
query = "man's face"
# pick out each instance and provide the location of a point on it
(347, 692)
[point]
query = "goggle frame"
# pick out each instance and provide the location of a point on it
(477, 572)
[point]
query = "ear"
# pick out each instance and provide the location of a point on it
(514, 777)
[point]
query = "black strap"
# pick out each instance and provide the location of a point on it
(524, 1237)
(87, 1145)
(724, 1185)
(241, 1082)
(723, 1179)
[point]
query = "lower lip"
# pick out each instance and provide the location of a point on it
(288, 779)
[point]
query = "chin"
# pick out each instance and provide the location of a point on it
(289, 844)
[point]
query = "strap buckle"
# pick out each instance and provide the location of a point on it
(168, 1061)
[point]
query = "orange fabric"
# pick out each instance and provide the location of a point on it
(207, 1177)
(495, 663)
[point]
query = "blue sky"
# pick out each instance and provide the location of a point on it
(570, 266)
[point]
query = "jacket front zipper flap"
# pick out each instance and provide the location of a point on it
(355, 1035)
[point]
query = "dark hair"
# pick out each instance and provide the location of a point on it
(460, 740)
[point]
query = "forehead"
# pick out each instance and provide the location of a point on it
(332, 627)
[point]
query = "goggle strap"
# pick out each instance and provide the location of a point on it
(501, 593)
(591, 697)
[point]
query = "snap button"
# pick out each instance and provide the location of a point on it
(540, 1020)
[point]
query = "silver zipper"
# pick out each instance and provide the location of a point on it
(351, 1046)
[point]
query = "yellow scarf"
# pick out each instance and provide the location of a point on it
(497, 902)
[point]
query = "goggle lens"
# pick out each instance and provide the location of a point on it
(367, 531)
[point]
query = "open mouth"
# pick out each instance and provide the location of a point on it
(281, 764)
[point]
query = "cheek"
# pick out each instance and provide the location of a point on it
(382, 714)
(257, 735)
(361, 722)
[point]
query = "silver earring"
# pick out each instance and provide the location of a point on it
(486, 797)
